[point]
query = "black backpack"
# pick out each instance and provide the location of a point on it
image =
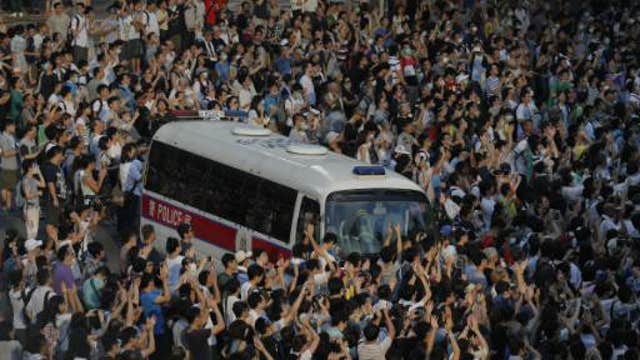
(26, 298)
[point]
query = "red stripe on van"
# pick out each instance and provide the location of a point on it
(205, 229)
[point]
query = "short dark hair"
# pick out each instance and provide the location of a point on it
(147, 230)
(232, 286)
(239, 307)
(371, 332)
(261, 325)
(15, 277)
(146, 280)
(227, 259)
(254, 299)
(172, 245)
(183, 229)
(255, 271)
(330, 238)
(95, 248)
(62, 252)
(202, 277)
(42, 276)
(55, 150)
(103, 270)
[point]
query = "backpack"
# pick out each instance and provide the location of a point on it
(26, 298)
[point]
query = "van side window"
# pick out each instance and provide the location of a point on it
(309, 212)
(245, 199)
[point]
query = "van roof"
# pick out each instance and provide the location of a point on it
(267, 157)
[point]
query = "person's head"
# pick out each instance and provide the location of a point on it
(255, 300)
(232, 286)
(262, 257)
(130, 238)
(329, 240)
(55, 155)
(185, 231)
(229, 262)
(243, 257)
(65, 255)
(16, 279)
(147, 282)
(148, 234)
(255, 273)
(173, 246)
(43, 277)
(29, 167)
(102, 273)
(76, 145)
(58, 8)
(96, 250)
(103, 91)
(9, 127)
(371, 332)
(240, 309)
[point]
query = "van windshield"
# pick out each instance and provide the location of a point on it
(359, 217)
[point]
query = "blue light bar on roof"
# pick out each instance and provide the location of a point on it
(368, 170)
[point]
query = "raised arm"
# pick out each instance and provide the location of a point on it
(166, 294)
(151, 341)
(388, 323)
(399, 241)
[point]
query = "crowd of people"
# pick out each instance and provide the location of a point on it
(519, 119)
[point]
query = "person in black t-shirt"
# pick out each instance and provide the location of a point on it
(55, 195)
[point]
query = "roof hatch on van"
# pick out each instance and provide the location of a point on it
(307, 149)
(250, 131)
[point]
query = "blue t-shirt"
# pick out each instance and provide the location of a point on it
(148, 303)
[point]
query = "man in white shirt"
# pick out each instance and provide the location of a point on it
(40, 295)
(370, 348)
(255, 273)
(80, 32)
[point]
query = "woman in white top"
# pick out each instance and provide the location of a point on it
(231, 296)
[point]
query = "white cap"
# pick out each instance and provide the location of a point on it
(243, 255)
(400, 149)
(32, 244)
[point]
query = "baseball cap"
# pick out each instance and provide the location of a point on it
(243, 255)
(400, 149)
(32, 244)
